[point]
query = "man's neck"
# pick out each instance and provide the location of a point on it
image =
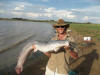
(62, 36)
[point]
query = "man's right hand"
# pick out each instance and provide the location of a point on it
(34, 47)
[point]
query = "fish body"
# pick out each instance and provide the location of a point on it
(41, 46)
(50, 46)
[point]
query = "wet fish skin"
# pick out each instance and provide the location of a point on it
(43, 47)
(23, 55)
(50, 46)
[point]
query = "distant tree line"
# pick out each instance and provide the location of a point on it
(53, 21)
(19, 18)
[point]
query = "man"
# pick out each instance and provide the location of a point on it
(58, 63)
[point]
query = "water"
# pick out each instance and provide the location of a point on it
(14, 35)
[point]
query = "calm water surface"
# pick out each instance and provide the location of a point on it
(14, 35)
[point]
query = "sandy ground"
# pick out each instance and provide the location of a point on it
(87, 64)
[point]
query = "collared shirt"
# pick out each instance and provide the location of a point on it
(60, 60)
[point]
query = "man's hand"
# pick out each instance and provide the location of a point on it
(48, 54)
(34, 48)
(73, 54)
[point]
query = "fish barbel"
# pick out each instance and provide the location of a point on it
(53, 45)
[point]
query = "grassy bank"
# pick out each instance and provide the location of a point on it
(92, 30)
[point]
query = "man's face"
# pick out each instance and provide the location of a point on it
(60, 29)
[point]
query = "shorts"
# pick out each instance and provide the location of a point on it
(49, 72)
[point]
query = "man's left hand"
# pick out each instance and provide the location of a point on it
(73, 54)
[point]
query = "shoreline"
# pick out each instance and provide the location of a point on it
(28, 20)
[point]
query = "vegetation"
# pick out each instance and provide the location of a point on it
(22, 19)
(92, 30)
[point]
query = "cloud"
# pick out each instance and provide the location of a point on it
(49, 15)
(36, 15)
(78, 10)
(91, 19)
(39, 11)
(88, 9)
(17, 13)
(1, 11)
(65, 14)
(20, 7)
(60, 13)
(86, 18)
(51, 9)
(27, 7)
(90, 14)
(33, 15)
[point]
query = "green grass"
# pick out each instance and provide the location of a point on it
(92, 30)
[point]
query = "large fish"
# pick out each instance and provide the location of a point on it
(53, 45)
(50, 46)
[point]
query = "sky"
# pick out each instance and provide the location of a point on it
(69, 10)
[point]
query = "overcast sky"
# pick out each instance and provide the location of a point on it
(69, 10)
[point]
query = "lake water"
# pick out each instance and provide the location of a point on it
(14, 35)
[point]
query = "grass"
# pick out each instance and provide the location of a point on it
(92, 30)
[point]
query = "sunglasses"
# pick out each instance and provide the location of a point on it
(60, 26)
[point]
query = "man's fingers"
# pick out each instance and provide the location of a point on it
(34, 48)
(74, 55)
